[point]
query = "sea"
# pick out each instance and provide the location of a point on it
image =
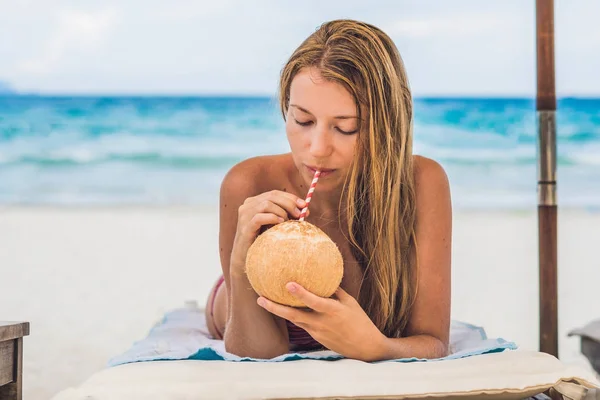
(118, 150)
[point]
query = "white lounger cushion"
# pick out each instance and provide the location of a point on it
(506, 375)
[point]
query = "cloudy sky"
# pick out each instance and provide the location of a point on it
(450, 47)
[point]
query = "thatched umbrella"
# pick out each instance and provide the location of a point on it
(547, 209)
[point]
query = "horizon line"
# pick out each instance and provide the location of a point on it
(274, 95)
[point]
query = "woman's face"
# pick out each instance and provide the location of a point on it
(322, 127)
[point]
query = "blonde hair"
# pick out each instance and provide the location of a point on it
(380, 188)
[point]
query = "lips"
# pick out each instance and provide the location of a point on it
(323, 170)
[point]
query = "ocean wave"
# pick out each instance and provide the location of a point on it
(519, 155)
(71, 150)
(143, 159)
(104, 149)
(175, 153)
(474, 158)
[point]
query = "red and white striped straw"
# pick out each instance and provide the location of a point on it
(309, 195)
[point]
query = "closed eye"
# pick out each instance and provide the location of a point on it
(308, 123)
(347, 133)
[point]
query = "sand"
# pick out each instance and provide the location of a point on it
(91, 281)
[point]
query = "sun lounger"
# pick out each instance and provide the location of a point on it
(177, 360)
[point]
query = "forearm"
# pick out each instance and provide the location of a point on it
(418, 346)
(251, 330)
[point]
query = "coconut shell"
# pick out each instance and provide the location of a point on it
(295, 251)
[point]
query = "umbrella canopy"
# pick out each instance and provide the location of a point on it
(547, 206)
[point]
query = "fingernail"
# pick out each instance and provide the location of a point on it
(298, 212)
(292, 287)
(301, 202)
(261, 302)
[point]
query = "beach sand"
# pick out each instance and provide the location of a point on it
(91, 281)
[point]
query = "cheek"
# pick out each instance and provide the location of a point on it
(350, 146)
(294, 135)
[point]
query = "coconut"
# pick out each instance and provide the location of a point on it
(295, 251)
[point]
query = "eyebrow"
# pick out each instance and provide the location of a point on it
(338, 117)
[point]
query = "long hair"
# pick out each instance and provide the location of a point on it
(379, 188)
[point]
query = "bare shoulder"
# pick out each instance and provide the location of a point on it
(255, 175)
(431, 179)
(432, 189)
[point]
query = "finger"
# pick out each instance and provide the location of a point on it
(264, 219)
(267, 206)
(293, 207)
(290, 202)
(312, 301)
(342, 295)
(277, 194)
(283, 207)
(292, 314)
(287, 195)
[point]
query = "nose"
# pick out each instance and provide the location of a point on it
(321, 145)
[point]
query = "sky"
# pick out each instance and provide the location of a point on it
(195, 47)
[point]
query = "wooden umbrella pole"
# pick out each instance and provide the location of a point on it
(547, 206)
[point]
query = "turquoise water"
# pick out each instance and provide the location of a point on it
(176, 150)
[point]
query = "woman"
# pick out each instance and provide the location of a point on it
(347, 106)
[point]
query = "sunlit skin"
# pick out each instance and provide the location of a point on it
(322, 128)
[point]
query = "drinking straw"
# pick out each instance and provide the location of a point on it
(309, 195)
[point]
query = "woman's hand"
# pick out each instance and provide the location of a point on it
(268, 208)
(339, 324)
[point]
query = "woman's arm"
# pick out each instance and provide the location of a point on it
(428, 329)
(330, 320)
(250, 331)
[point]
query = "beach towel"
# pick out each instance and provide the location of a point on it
(182, 335)
(185, 363)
